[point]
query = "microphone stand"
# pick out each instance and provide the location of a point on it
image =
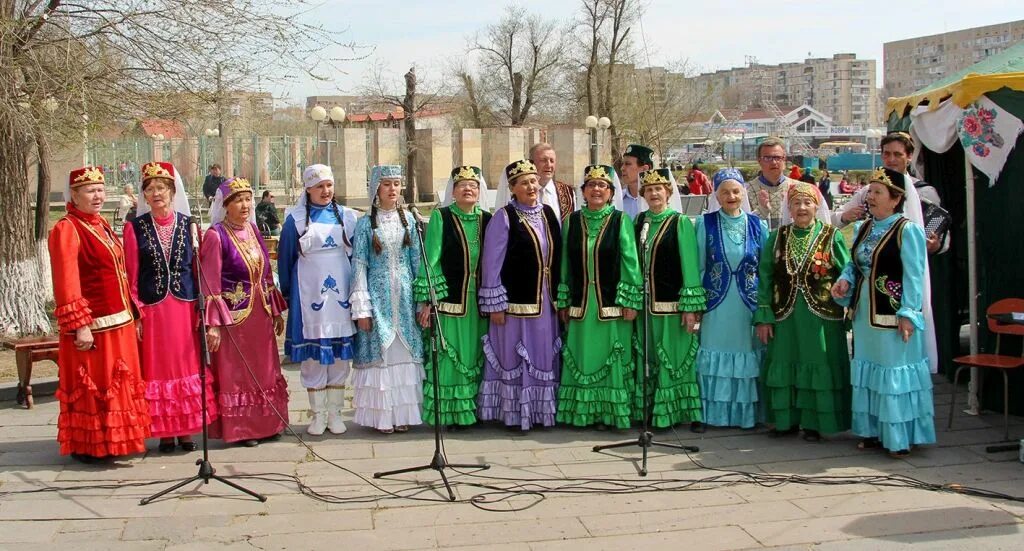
(438, 461)
(206, 470)
(646, 438)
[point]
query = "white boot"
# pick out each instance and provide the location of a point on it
(317, 403)
(335, 401)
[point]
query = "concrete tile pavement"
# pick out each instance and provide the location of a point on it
(709, 515)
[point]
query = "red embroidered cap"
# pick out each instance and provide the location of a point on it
(84, 176)
(157, 169)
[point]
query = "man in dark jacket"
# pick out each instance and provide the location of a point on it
(212, 182)
(267, 219)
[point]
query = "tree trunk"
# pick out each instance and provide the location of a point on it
(22, 299)
(42, 221)
(409, 123)
(516, 114)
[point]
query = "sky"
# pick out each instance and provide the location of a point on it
(709, 35)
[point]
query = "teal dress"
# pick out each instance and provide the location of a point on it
(729, 360)
(892, 385)
(597, 359)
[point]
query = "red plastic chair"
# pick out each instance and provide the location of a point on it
(994, 361)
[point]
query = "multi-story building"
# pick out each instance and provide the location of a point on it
(914, 63)
(841, 87)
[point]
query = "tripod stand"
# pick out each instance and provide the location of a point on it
(646, 438)
(206, 471)
(438, 461)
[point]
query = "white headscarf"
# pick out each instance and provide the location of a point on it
(719, 178)
(178, 204)
(822, 212)
(219, 211)
(616, 188)
(913, 211)
(483, 200)
(312, 176)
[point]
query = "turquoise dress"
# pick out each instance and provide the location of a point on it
(729, 360)
(892, 385)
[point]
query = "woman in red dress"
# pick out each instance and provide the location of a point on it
(103, 409)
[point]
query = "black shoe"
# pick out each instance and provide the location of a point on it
(777, 433)
(251, 443)
(189, 446)
(85, 458)
(811, 435)
(166, 447)
(271, 438)
(698, 427)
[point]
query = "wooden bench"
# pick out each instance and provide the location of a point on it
(27, 351)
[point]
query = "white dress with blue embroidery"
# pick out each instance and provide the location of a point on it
(315, 273)
(389, 374)
(892, 385)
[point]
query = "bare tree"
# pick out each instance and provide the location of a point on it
(115, 60)
(524, 51)
(606, 25)
(412, 101)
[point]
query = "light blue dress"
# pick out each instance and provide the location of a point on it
(729, 360)
(892, 386)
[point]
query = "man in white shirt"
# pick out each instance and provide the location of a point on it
(897, 150)
(636, 159)
(561, 197)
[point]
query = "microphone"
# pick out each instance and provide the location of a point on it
(416, 216)
(193, 231)
(643, 232)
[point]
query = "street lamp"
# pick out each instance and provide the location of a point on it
(868, 135)
(593, 123)
(49, 104)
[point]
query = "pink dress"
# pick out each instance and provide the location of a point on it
(252, 393)
(170, 343)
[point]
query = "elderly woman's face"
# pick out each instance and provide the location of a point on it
(881, 200)
(730, 195)
(466, 192)
(657, 197)
(89, 198)
(802, 208)
(597, 193)
(158, 194)
(239, 207)
(525, 189)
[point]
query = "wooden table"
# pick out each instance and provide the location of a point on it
(27, 351)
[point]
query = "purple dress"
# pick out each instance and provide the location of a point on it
(521, 371)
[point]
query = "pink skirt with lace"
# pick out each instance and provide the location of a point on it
(170, 367)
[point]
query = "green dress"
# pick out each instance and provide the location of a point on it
(674, 354)
(806, 373)
(598, 382)
(460, 365)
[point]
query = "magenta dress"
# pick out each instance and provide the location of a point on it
(522, 366)
(242, 300)
(170, 343)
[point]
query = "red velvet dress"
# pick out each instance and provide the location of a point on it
(103, 407)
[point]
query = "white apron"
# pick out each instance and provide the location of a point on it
(324, 275)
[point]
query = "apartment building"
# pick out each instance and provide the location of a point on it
(914, 63)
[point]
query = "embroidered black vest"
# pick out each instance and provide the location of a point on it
(525, 268)
(608, 264)
(813, 277)
(664, 271)
(455, 260)
(566, 199)
(886, 277)
(158, 275)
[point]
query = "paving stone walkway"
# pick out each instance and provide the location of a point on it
(107, 516)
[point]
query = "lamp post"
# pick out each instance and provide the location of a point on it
(872, 133)
(319, 115)
(337, 115)
(593, 123)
